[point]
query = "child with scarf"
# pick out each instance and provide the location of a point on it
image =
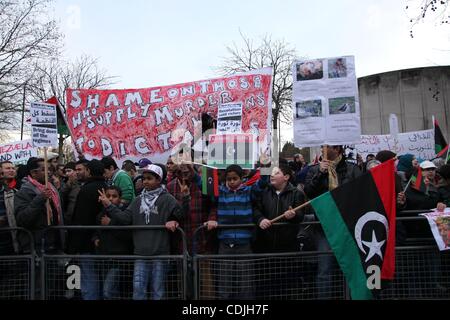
(154, 207)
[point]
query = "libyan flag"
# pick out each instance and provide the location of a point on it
(210, 181)
(440, 145)
(358, 219)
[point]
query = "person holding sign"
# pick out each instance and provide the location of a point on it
(32, 212)
(330, 173)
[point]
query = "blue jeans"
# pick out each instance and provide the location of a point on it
(143, 269)
(326, 264)
(111, 283)
(90, 284)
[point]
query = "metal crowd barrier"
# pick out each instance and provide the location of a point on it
(17, 269)
(422, 272)
(111, 276)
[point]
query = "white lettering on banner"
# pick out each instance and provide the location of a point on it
(133, 97)
(138, 122)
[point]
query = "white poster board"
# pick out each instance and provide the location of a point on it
(418, 143)
(18, 152)
(44, 130)
(229, 118)
(440, 227)
(326, 102)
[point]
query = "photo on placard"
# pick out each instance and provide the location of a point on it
(308, 108)
(342, 105)
(309, 70)
(337, 68)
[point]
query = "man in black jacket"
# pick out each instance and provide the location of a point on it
(85, 213)
(321, 178)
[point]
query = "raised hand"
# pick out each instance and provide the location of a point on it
(184, 187)
(103, 198)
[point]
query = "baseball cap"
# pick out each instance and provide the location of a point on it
(154, 169)
(144, 162)
(427, 165)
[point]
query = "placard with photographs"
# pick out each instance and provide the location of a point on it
(326, 102)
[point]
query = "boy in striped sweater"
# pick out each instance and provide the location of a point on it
(235, 207)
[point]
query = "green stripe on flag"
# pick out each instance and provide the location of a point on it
(343, 245)
(204, 180)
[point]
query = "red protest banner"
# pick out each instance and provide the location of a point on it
(137, 123)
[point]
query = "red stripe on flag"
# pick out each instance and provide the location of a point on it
(419, 179)
(442, 152)
(216, 182)
(384, 178)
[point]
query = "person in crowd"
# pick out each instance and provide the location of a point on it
(444, 187)
(34, 214)
(406, 167)
(119, 178)
(112, 242)
(427, 199)
(137, 180)
(235, 207)
(321, 178)
(81, 171)
(171, 169)
(130, 168)
(278, 198)
(9, 244)
(9, 174)
(53, 160)
(154, 207)
(85, 213)
(69, 192)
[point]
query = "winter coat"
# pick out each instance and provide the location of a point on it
(317, 182)
(85, 213)
(149, 242)
(270, 205)
(31, 214)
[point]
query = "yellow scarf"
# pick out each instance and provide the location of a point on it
(333, 182)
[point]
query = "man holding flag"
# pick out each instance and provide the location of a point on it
(321, 178)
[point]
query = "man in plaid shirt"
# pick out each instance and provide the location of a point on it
(202, 208)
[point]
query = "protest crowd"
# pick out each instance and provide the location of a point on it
(99, 193)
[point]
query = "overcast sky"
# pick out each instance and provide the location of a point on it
(150, 43)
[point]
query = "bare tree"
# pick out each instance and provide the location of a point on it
(419, 10)
(266, 53)
(55, 76)
(27, 37)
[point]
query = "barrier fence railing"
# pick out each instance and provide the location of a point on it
(17, 269)
(422, 272)
(107, 276)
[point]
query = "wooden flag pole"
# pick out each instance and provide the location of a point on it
(47, 202)
(325, 152)
(295, 209)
